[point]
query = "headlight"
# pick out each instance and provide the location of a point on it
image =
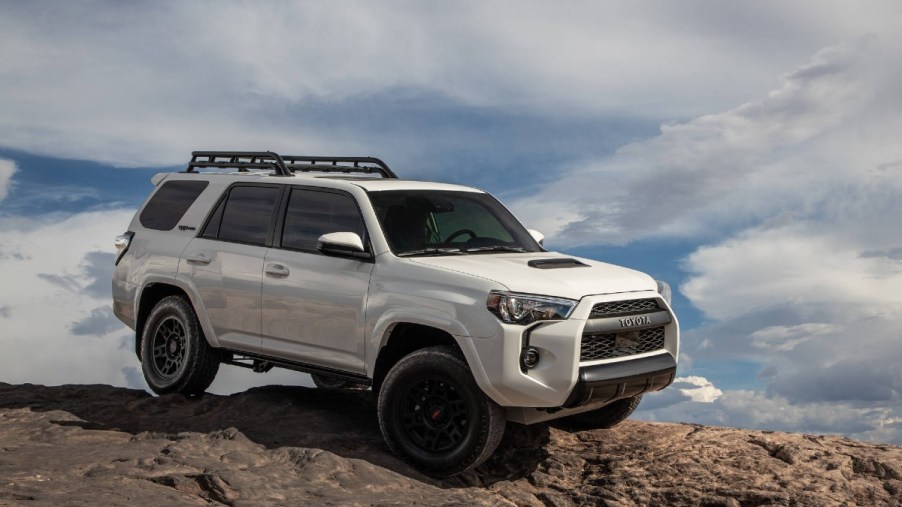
(664, 291)
(514, 308)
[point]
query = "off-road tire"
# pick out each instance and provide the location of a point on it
(184, 361)
(330, 382)
(432, 392)
(605, 417)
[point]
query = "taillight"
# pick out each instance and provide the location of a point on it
(122, 243)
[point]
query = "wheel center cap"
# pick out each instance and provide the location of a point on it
(436, 414)
(173, 347)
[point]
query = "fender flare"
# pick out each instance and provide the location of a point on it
(385, 325)
(189, 289)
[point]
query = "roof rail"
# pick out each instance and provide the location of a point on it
(245, 160)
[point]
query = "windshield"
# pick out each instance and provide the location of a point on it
(438, 222)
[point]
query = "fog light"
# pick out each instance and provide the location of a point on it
(530, 357)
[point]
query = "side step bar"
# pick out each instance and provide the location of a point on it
(260, 363)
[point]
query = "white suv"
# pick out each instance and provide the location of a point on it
(432, 294)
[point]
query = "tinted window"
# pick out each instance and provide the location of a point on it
(212, 228)
(247, 214)
(169, 204)
(311, 214)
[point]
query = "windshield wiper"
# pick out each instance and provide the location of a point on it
(431, 251)
(496, 248)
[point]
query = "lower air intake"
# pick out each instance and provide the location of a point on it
(622, 344)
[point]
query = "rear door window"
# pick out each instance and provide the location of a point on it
(169, 204)
(312, 213)
(245, 216)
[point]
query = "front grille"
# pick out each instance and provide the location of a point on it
(627, 307)
(624, 343)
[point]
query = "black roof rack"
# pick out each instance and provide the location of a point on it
(245, 160)
(331, 164)
(241, 160)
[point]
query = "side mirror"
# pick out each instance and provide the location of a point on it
(342, 244)
(536, 235)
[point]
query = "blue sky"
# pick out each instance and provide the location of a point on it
(747, 153)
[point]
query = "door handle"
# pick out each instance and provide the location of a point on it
(198, 259)
(277, 270)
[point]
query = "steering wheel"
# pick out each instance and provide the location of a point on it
(458, 233)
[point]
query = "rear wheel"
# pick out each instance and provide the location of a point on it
(605, 417)
(434, 416)
(175, 355)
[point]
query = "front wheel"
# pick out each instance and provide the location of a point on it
(434, 416)
(175, 355)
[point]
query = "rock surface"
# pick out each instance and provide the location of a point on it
(100, 445)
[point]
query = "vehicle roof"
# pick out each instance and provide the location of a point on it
(367, 183)
(376, 185)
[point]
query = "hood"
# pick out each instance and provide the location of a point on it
(513, 270)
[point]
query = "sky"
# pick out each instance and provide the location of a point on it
(747, 153)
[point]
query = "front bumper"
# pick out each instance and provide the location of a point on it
(605, 383)
(561, 381)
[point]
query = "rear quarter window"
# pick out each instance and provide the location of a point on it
(244, 216)
(169, 204)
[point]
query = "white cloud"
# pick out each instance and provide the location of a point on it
(7, 169)
(815, 146)
(804, 263)
(692, 388)
(145, 83)
(801, 300)
(698, 389)
(786, 338)
(38, 345)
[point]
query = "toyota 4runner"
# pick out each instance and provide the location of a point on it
(431, 294)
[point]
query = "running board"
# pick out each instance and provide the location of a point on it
(260, 363)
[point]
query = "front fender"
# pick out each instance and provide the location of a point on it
(383, 326)
(403, 291)
(438, 320)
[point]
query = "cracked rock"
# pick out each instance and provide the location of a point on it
(100, 445)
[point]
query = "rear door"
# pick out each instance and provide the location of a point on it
(313, 304)
(225, 262)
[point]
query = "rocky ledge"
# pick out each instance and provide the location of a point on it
(100, 445)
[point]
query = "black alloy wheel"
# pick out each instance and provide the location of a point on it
(434, 415)
(175, 355)
(169, 345)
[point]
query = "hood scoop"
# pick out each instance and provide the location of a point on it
(559, 263)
